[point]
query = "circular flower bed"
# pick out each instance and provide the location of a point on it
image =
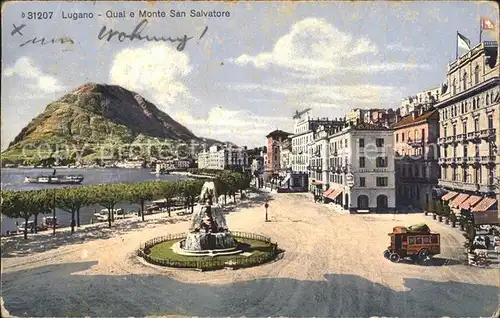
(257, 249)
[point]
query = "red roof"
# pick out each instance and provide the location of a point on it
(484, 205)
(278, 133)
(407, 120)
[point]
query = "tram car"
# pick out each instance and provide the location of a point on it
(416, 242)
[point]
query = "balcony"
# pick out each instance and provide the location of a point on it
(441, 141)
(466, 186)
(486, 187)
(474, 136)
(473, 160)
(442, 161)
(450, 139)
(416, 143)
(461, 160)
(461, 138)
(487, 160)
(488, 133)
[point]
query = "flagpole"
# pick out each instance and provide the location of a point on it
(480, 28)
(456, 56)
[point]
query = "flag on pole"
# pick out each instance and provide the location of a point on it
(487, 24)
(463, 42)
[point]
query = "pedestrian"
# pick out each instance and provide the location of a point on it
(487, 241)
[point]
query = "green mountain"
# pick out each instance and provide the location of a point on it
(99, 121)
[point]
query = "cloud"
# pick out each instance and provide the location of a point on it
(37, 80)
(316, 48)
(328, 96)
(157, 70)
(399, 47)
(241, 126)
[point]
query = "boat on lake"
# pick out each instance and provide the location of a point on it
(55, 179)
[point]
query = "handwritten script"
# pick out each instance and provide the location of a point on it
(108, 35)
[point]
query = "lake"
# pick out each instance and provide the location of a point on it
(13, 179)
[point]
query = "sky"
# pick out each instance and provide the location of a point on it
(249, 72)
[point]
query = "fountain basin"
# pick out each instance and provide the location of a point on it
(215, 252)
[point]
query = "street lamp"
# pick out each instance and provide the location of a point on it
(266, 206)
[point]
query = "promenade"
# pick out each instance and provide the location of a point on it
(332, 266)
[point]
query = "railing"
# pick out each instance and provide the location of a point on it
(441, 140)
(467, 186)
(204, 263)
(442, 160)
(487, 133)
(461, 137)
(473, 160)
(450, 139)
(487, 159)
(473, 135)
(461, 160)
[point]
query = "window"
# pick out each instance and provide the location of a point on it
(464, 127)
(424, 172)
(454, 87)
(403, 137)
(454, 130)
(487, 102)
(381, 162)
(463, 107)
(464, 174)
(362, 182)
(379, 142)
(417, 172)
(464, 81)
(411, 240)
(465, 151)
(434, 239)
(397, 139)
(418, 240)
(473, 104)
(490, 121)
(426, 239)
(361, 142)
(382, 182)
(476, 75)
(361, 162)
(476, 124)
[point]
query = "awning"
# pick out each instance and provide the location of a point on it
(448, 196)
(327, 192)
(470, 202)
(458, 200)
(334, 194)
(484, 205)
(317, 183)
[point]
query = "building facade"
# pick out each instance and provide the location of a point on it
(470, 133)
(424, 99)
(354, 166)
(416, 156)
(304, 128)
(285, 155)
(274, 141)
(220, 158)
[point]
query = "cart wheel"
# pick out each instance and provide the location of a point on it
(387, 253)
(394, 257)
(423, 254)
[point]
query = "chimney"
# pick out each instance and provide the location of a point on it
(414, 114)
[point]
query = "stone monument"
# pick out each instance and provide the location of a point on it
(208, 231)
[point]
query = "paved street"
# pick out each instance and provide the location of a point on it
(332, 266)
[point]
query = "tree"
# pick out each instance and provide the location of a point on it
(17, 204)
(71, 200)
(108, 196)
(169, 190)
(42, 202)
(140, 193)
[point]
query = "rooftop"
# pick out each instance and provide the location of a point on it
(278, 133)
(368, 126)
(407, 120)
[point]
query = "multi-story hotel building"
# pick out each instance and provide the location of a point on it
(416, 156)
(220, 158)
(470, 133)
(355, 167)
(304, 127)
